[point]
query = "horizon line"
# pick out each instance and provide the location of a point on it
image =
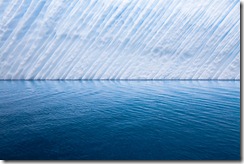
(120, 80)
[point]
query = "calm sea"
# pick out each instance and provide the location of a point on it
(120, 120)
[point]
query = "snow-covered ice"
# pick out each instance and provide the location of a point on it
(119, 39)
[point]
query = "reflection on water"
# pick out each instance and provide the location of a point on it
(120, 120)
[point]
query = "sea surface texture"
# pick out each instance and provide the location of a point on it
(133, 120)
(119, 39)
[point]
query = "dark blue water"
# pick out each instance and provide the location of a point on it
(132, 120)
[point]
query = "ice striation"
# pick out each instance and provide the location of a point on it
(120, 39)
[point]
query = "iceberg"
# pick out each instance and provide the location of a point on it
(120, 39)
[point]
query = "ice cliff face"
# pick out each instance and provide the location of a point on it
(119, 39)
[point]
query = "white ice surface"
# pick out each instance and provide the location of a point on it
(119, 39)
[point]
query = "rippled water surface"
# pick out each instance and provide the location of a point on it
(120, 120)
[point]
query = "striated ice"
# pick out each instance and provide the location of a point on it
(118, 39)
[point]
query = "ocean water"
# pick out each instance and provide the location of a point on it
(120, 120)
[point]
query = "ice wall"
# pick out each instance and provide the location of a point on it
(119, 39)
